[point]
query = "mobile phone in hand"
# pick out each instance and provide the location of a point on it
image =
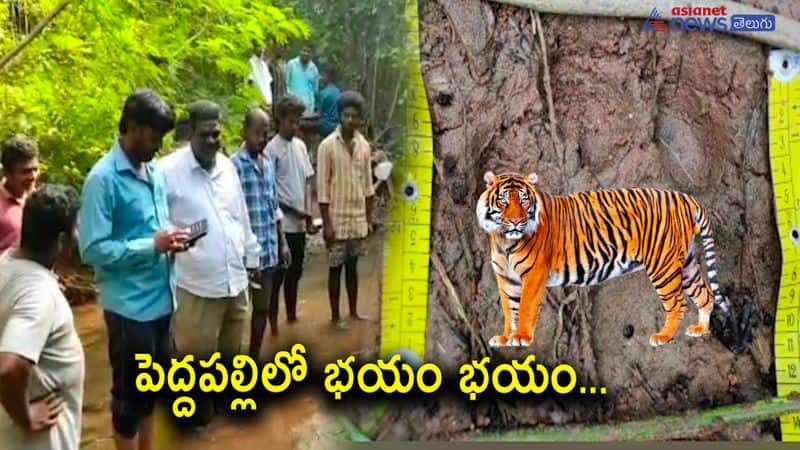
(196, 231)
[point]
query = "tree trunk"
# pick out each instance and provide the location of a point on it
(684, 111)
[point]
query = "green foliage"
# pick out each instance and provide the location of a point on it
(366, 43)
(67, 87)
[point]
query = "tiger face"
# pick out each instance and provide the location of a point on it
(509, 206)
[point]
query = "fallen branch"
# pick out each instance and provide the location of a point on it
(459, 307)
(658, 401)
(37, 30)
(537, 29)
(786, 34)
(662, 428)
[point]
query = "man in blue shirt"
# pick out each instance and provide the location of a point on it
(328, 103)
(125, 235)
(302, 78)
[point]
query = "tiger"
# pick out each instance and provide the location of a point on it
(539, 240)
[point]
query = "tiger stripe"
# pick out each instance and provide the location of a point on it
(538, 239)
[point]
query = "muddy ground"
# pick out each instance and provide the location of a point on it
(300, 422)
(676, 110)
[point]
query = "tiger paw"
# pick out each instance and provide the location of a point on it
(696, 330)
(519, 340)
(498, 341)
(658, 339)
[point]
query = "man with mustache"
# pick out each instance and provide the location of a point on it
(212, 277)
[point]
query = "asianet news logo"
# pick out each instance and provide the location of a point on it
(687, 18)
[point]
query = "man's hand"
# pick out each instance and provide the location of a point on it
(43, 413)
(327, 225)
(254, 278)
(369, 203)
(328, 234)
(310, 227)
(254, 274)
(171, 240)
(285, 255)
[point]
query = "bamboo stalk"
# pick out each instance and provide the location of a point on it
(662, 428)
(390, 115)
(375, 71)
(786, 34)
(37, 30)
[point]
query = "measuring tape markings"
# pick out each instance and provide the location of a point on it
(407, 245)
(407, 242)
(784, 147)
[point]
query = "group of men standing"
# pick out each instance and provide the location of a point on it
(162, 289)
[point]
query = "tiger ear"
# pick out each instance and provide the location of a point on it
(533, 178)
(489, 178)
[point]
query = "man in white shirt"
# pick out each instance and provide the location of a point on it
(211, 276)
(294, 175)
(41, 357)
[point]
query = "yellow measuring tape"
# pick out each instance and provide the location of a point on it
(407, 241)
(784, 148)
(404, 309)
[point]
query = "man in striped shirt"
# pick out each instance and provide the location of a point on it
(345, 193)
(257, 175)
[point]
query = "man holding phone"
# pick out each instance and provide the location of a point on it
(212, 276)
(125, 235)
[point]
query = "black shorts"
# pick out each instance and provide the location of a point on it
(126, 338)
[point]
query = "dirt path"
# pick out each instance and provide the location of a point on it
(293, 424)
